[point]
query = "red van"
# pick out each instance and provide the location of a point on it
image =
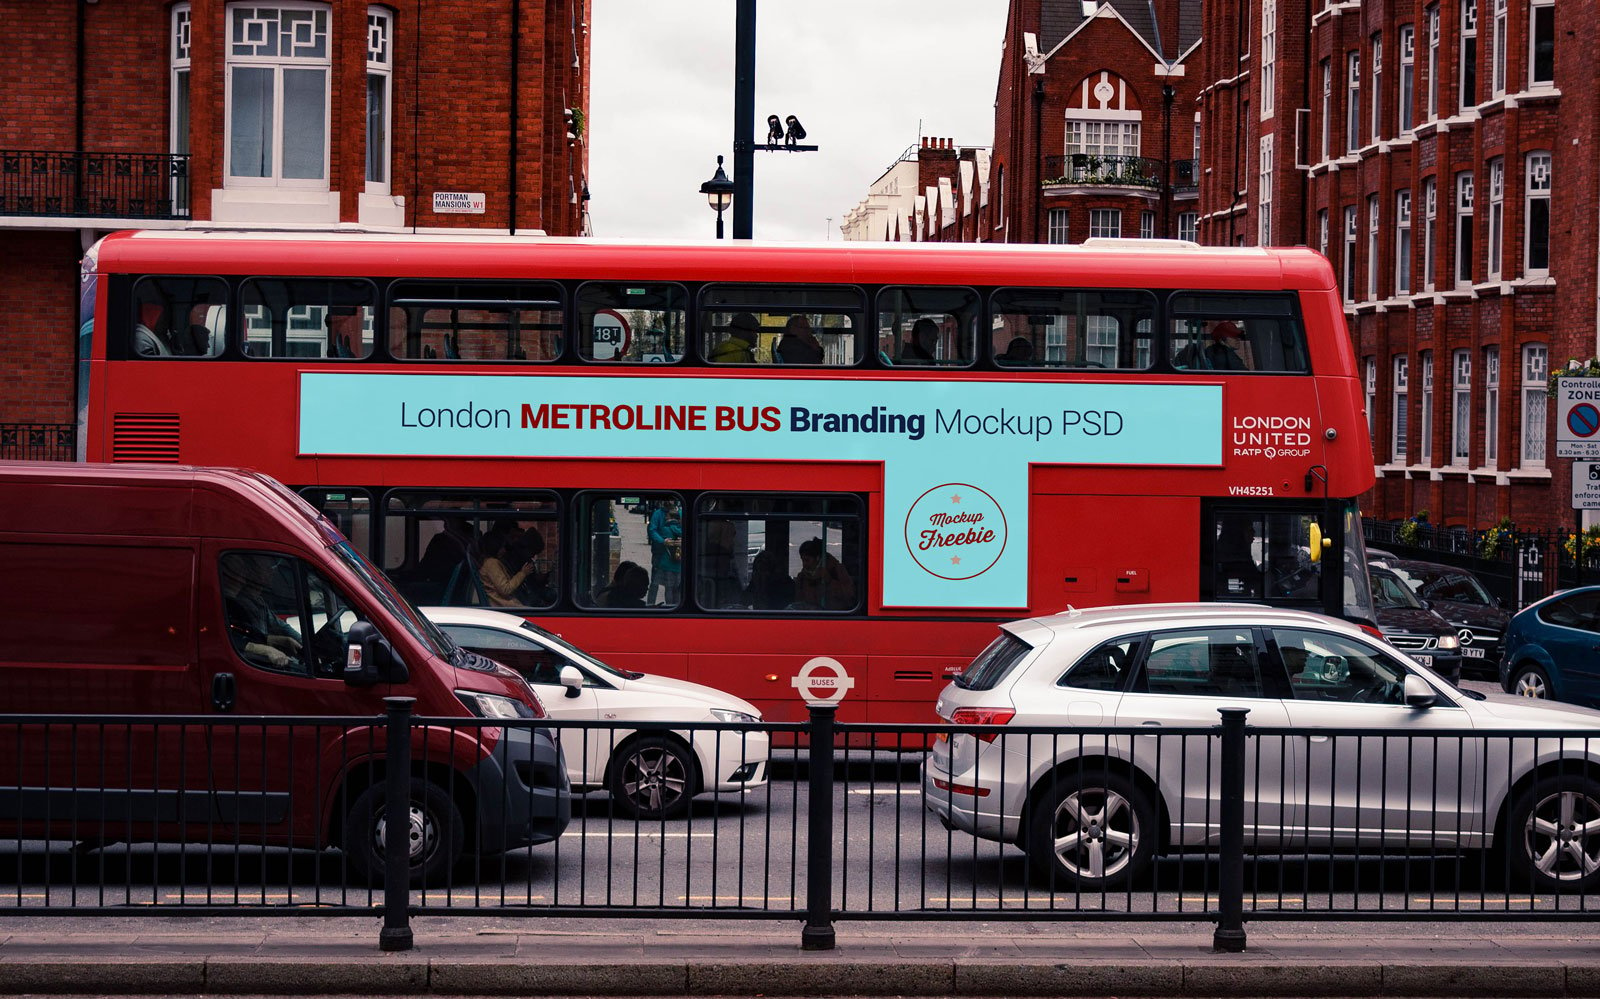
(218, 594)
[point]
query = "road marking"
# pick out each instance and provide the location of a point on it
(629, 834)
(886, 790)
(742, 900)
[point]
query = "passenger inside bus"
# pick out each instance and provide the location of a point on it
(717, 580)
(924, 343)
(822, 583)
(447, 572)
(147, 341)
(771, 587)
(1018, 351)
(511, 578)
(739, 347)
(628, 586)
(1220, 352)
(799, 345)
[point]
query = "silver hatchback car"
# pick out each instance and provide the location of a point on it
(1365, 748)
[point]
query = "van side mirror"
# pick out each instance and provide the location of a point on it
(370, 659)
(1418, 693)
(572, 679)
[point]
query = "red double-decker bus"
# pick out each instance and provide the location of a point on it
(720, 461)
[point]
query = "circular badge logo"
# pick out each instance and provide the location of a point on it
(1584, 420)
(956, 531)
(822, 680)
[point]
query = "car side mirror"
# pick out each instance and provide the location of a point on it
(370, 659)
(1419, 694)
(572, 679)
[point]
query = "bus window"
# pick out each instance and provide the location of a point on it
(179, 317)
(1265, 556)
(1071, 328)
(349, 509)
(632, 322)
(935, 327)
(307, 317)
(478, 321)
(1213, 332)
(497, 549)
(633, 551)
(782, 324)
(778, 553)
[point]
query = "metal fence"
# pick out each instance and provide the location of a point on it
(1216, 823)
(94, 185)
(1519, 567)
(38, 441)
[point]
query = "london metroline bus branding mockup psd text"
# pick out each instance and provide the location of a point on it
(955, 454)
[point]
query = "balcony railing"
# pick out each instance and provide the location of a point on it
(1185, 176)
(38, 441)
(1104, 171)
(94, 185)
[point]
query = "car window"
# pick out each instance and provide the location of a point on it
(1388, 591)
(1324, 667)
(994, 662)
(535, 662)
(1575, 611)
(1208, 662)
(1106, 668)
(1456, 586)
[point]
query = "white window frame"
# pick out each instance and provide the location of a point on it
(1322, 231)
(1264, 196)
(1400, 414)
(1372, 246)
(1540, 10)
(1377, 86)
(1497, 215)
(1432, 14)
(1102, 133)
(1461, 407)
(1327, 108)
(1430, 229)
(1461, 272)
(278, 64)
(1402, 242)
(1498, 44)
(1537, 181)
(1408, 77)
(1352, 109)
(1189, 226)
(1491, 406)
(1467, 53)
(1057, 226)
(1147, 225)
(1370, 380)
(178, 123)
(1269, 56)
(1348, 274)
(1425, 432)
(380, 71)
(1535, 404)
(1105, 223)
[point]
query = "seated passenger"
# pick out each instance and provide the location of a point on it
(799, 345)
(1219, 353)
(740, 346)
(823, 582)
(924, 343)
(771, 587)
(627, 588)
(1018, 351)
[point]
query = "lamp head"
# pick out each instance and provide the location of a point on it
(774, 129)
(796, 131)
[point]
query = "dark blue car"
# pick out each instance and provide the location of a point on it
(1552, 649)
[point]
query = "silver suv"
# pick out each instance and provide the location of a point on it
(1364, 749)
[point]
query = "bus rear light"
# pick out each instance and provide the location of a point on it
(975, 791)
(982, 716)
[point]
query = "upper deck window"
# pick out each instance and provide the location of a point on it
(782, 324)
(477, 321)
(1211, 332)
(308, 317)
(1072, 328)
(931, 327)
(632, 322)
(179, 317)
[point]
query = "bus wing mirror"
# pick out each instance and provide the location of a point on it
(370, 659)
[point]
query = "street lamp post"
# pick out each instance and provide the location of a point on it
(719, 194)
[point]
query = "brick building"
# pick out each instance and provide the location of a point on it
(1443, 156)
(399, 117)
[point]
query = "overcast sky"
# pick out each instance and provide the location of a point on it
(859, 74)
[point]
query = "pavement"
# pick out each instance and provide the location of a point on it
(471, 956)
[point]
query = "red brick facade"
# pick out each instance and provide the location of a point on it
(478, 95)
(1470, 448)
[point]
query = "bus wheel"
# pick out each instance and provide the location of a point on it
(435, 836)
(653, 778)
(1093, 833)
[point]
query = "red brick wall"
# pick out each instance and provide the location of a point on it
(38, 303)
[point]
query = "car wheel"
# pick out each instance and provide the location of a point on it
(1554, 833)
(436, 836)
(1530, 681)
(653, 778)
(1094, 832)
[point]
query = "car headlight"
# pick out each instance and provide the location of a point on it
(1449, 642)
(493, 705)
(729, 715)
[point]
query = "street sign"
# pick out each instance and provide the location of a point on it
(823, 681)
(1586, 485)
(1578, 419)
(611, 335)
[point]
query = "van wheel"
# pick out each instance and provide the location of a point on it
(653, 778)
(1530, 681)
(1092, 832)
(435, 841)
(1553, 835)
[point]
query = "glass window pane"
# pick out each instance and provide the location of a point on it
(1208, 662)
(1071, 328)
(250, 123)
(377, 128)
(179, 317)
(631, 554)
(929, 327)
(765, 552)
(1106, 668)
(476, 321)
(1324, 667)
(1237, 332)
(308, 317)
(761, 324)
(262, 602)
(637, 322)
(305, 123)
(498, 549)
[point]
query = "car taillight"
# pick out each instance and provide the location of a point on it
(982, 716)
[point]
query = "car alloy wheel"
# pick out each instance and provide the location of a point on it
(654, 779)
(1094, 833)
(1560, 834)
(1530, 682)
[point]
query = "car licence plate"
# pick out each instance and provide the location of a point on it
(1425, 660)
(1472, 653)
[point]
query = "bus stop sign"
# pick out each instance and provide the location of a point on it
(823, 681)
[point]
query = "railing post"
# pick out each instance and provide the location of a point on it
(396, 934)
(818, 932)
(1230, 883)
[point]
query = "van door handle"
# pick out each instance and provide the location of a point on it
(222, 691)
(1155, 723)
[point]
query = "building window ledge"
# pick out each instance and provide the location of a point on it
(1387, 469)
(1528, 474)
(1417, 471)
(276, 207)
(1451, 470)
(1493, 475)
(1534, 281)
(1425, 128)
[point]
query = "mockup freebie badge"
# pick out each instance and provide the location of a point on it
(956, 531)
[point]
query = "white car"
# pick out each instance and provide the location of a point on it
(1093, 808)
(649, 774)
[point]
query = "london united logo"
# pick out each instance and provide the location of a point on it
(956, 531)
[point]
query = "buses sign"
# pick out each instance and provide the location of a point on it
(1578, 418)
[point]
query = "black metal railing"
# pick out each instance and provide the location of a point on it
(1222, 823)
(38, 441)
(46, 183)
(1087, 169)
(1517, 566)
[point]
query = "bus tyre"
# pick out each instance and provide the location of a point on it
(1553, 835)
(653, 778)
(1091, 832)
(1528, 680)
(435, 837)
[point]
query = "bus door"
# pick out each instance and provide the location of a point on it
(1271, 552)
